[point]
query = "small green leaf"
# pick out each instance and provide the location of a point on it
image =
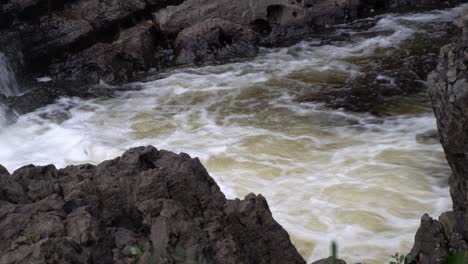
(134, 251)
(393, 262)
(402, 259)
(409, 258)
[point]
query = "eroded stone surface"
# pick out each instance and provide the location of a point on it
(150, 205)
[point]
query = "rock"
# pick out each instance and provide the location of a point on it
(448, 89)
(431, 244)
(457, 244)
(447, 219)
(116, 62)
(3, 171)
(214, 40)
(89, 40)
(148, 206)
(430, 137)
(329, 261)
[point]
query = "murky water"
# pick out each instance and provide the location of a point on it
(361, 180)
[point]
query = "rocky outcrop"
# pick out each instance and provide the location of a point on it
(214, 40)
(449, 92)
(448, 87)
(113, 40)
(147, 206)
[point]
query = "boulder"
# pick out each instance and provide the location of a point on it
(431, 243)
(214, 40)
(147, 206)
(329, 261)
(116, 62)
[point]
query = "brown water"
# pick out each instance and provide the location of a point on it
(329, 175)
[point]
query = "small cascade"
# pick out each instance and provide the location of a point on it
(8, 84)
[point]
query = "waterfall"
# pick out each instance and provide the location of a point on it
(8, 84)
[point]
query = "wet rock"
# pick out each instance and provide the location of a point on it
(148, 206)
(448, 90)
(329, 261)
(447, 219)
(430, 137)
(116, 62)
(94, 40)
(3, 171)
(49, 93)
(431, 244)
(214, 40)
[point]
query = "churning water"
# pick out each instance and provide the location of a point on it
(8, 84)
(359, 179)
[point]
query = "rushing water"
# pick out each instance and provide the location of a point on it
(8, 84)
(359, 179)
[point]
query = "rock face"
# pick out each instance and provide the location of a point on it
(214, 40)
(112, 40)
(449, 93)
(448, 88)
(147, 206)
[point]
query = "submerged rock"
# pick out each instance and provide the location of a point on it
(147, 206)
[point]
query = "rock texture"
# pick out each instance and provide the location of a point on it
(448, 88)
(214, 40)
(449, 92)
(147, 206)
(113, 40)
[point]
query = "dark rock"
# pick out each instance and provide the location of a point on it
(49, 93)
(447, 219)
(89, 39)
(449, 91)
(329, 261)
(148, 206)
(214, 40)
(457, 244)
(115, 62)
(430, 137)
(431, 244)
(3, 171)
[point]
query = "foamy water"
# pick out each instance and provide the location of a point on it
(329, 175)
(8, 84)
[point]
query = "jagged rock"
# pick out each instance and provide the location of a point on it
(115, 62)
(3, 171)
(148, 205)
(431, 244)
(449, 90)
(41, 33)
(213, 40)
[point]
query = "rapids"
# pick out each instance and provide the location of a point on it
(8, 84)
(362, 180)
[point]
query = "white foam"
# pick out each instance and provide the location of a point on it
(44, 79)
(361, 180)
(8, 84)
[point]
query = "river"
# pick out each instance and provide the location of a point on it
(359, 179)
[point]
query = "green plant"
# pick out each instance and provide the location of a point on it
(33, 238)
(137, 251)
(334, 253)
(402, 259)
(458, 258)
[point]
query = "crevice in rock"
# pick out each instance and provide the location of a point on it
(262, 27)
